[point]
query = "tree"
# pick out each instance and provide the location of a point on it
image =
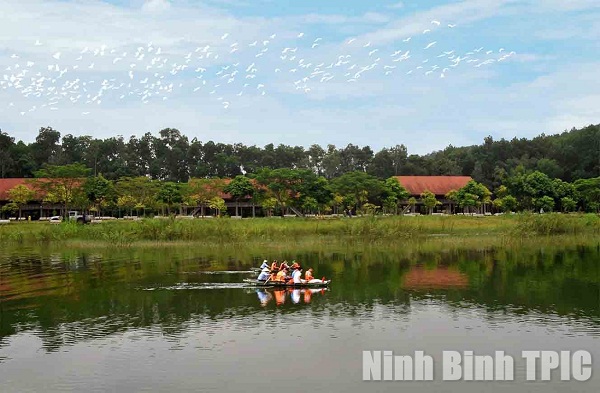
(393, 194)
(269, 204)
(169, 194)
(507, 203)
(6, 160)
(285, 185)
(429, 200)
(452, 196)
(359, 187)
(240, 187)
(544, 204)
(336, 202)
(412, 201)
(10, 208)
(141, 189)
(473, 194)
(20, 195)
(568, 204)
(126, 202)
(310, 204)
(99, 191)
(45, 149)
(217, 204)
(203, 190)
(589, 193)
(61, 183)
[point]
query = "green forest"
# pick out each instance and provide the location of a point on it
(550, 173)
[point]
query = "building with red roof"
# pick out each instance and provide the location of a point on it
(438, 185)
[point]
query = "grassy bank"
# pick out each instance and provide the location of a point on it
(368, 230)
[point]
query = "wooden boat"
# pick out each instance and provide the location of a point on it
(279, 284)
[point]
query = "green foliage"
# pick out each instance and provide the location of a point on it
(589, 192)
(310, 204)
(217, 204)
(99, 191)
(429, 200)
(358, 187)
(62, 184)
(169, 194)
(473, 195)
(568, 204)
(20, 195)
(544, 204)
(556, 224)
(393, 194)
(240, 187)
(507, 203)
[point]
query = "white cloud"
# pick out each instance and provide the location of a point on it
(397, 5)
(425, 113)
(156, 6)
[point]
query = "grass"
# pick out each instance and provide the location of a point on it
(365, 230)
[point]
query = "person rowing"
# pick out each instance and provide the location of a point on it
(265, 264)
(282, 275)
(284, 265)
(265, 272)
(297, 274)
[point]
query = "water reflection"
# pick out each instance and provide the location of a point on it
(295, 296)
(71, 296)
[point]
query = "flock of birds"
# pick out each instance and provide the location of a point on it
(224, 71)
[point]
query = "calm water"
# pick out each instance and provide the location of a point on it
(181, 320)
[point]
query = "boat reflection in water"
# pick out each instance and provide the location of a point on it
(296, 295)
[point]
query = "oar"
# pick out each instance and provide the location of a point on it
(267, 280)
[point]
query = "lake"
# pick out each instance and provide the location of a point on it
(181, 319)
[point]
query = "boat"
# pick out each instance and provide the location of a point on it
(279, 284)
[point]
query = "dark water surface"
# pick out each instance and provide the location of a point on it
(179, 319)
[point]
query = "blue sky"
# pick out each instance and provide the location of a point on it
(423, 73)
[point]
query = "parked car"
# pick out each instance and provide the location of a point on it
(55, 219)
(79, 218)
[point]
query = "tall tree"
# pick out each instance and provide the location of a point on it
(20, 195)
(169, 194)
(240, 187)
(359, 187)
(6, 160)
(99, 191)
(45, 149)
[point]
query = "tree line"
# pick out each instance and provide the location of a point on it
(161, 174)
(301, 190)
(171, 156)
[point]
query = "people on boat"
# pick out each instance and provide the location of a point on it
(309, 278)
(284, 265)
(309, 274)
(281, 275)
(265, 264)
(265, 272)
(274, 265)
(273, 275)
(297, 275)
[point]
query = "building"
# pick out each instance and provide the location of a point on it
(438, 185)
(34, 209)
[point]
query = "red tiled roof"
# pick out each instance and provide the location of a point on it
(439, 185)
(7, 184)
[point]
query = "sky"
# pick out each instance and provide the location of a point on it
(426, 74)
